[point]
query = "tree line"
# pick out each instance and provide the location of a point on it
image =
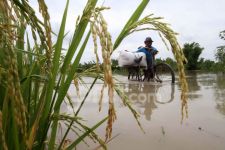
(192, 52)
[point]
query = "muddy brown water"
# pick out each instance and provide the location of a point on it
(159, 107)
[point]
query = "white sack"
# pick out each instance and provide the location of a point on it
(127, 58)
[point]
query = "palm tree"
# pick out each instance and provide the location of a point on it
(192, 52)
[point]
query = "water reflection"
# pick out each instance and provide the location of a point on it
(160, 104)
(207, 80)
(193, 84)
(192, 81)
(215, 82)
(220, 93)
(147, 96)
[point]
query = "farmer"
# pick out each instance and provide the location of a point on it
(150, 52)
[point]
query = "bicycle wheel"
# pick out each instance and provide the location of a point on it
(163, 72)
(165, 93)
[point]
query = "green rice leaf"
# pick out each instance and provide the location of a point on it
(136, 15)
(79, 32)
(86, 134)
(64, 90)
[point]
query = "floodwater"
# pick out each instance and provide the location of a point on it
(159, 107)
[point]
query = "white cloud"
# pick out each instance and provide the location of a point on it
(195, 21)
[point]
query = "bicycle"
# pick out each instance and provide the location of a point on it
(162, 72)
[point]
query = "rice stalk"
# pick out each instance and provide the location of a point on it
(70, 103)
(74, 129)
(134, 17)
(92, 72)
(65, 117)
(13, 96)
(28, 101)
(93, 134)
(127, 103)
(70, 147)
(78, 34)
(26, 11)
(15, 11)
(65, 88)
(78, 110)
(164, 41)
(35, 125)
(106, 142)
(83, 128)
(94, 37)
(100, 26)
(101, 98)
(170, 35)
(2, 135)
(44, 11)
(76, 84)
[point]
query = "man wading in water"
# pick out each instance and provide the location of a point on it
(150, 53)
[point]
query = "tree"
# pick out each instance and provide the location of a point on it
(222, 35)
(220, 52)
(192, 52)
(207, 65)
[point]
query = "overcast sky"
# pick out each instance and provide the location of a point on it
(195, 20)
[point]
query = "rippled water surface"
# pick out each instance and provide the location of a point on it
(159, 106)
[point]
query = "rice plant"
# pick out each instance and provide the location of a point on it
(34, 78)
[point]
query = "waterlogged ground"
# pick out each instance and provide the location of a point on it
(160, 109)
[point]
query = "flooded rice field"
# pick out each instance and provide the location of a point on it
(159, 107)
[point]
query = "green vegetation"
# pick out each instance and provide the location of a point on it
(35, 78)
(220, 53)
(192, 52)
